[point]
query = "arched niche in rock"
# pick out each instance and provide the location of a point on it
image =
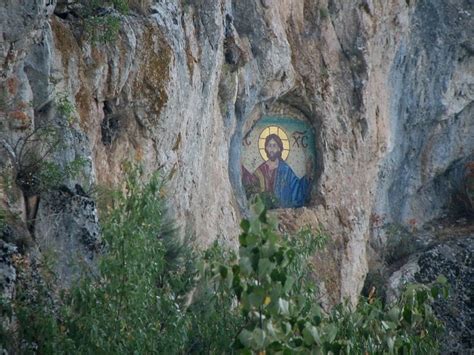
(279, 159)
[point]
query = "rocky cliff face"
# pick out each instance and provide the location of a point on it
(388, 87)
(443, 249)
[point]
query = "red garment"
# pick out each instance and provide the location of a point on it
(269, 176)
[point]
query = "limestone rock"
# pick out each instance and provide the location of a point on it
(7, 269)
(453, 259)
(387, 87)
(67, 230)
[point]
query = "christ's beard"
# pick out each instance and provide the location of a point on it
(274, 156)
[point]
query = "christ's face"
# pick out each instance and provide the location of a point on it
(273, 150)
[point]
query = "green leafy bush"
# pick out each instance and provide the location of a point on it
(102, 18)
(30, 156)
(102, 29)
(65, 107)
(283, 316)
(153, 293)
(136, 300)
(102, 25)
(213, 319)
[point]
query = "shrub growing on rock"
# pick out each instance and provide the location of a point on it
(153, 293)
(282, 314)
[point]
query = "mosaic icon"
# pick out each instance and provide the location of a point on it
(278, 161)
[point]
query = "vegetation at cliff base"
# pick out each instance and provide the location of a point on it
(155, 293)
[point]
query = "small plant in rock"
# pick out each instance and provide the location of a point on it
(102, 29)
(268, 199)
(31, 168)
(65, 107)
(28, 154)
(323, 13)
(33, 172)
(102, 19)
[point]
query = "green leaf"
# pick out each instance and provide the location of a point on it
(307, 337)
(258, 207)
(394, 314)
(265, 267)
(290, 255)
(279, 256)
(272, 237)
(316, 314)
(283, 307)
(223, 271)
(331, 332)
(311, 334)
(238, 289)
(243, 239)
(259, 337)
(441, 279)
(245, 337)
(391, 344)
(256, 296)
(277, 275)
(275, 347)
(286, 327)
(387, 325)
(245, 265)
(297, 341)
(229, 279)
(245, 225)
(236, 269)
(288, 284)
(275, 292)
(421, 297)
(255, 227)
(271, 331)
(407, 314)
(252, 240)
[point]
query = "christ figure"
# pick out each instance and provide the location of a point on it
(276, 179)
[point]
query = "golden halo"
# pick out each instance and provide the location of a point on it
(280, 133)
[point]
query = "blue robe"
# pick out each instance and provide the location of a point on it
(290, 190)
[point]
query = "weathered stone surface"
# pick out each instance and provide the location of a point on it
(452, 258)
(8, 276)
(7, 269)
(431, 111)
(455, 261)
(387, 87)
(67, 230)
